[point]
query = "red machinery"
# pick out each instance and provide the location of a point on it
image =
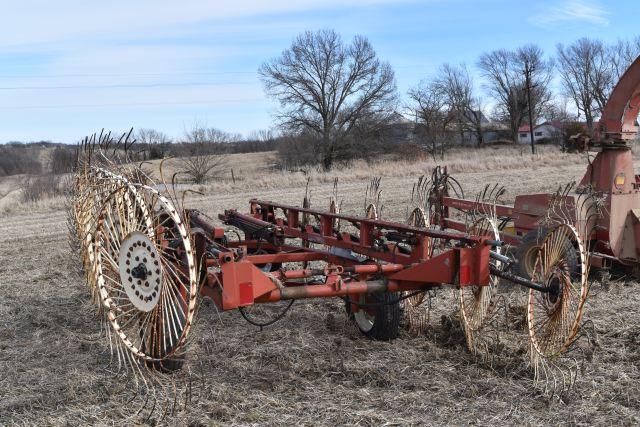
(374, 257)
(610, 177)
(148, 261)
(149, 264)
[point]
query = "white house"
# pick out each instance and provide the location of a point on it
(546, 130)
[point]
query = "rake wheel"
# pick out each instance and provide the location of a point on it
(371, 211)
(416, 317)
(476, 301)
(553, 318)
(146, 273)
(334, 208)
(418, 218)
(92, 189)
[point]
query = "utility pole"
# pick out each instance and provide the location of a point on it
(528, 70)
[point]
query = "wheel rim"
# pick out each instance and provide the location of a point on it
(529, 259)
(364, 320)
(151, 301)
(554, 318)
(140, 271)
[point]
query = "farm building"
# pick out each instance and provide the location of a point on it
(548, 131)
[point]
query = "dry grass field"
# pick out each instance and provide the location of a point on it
(313, 367)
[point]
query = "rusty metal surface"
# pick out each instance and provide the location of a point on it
(354, 262)
(621, 110)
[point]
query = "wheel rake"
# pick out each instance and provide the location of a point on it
(416, 315)
(139, 263)
(372, 199)
(477, 303)
(554, 318)
(148, 262)
(559, 236)
(149, 291)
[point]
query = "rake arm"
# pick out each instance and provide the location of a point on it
(518, 280)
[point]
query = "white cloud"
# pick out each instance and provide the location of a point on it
(575, 11)
(72, 64)
(46, 22)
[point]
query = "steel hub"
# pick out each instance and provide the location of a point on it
(140, 271)
(555, 285)
(364, 319)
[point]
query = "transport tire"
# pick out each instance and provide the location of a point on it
(527, 252)
(166, 366)
(380, 318)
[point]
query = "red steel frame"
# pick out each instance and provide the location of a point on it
(391, 257)
(505, 212)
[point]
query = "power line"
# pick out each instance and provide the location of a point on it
(164, 74)
(125, 86)
(189, 73)
(133, 104)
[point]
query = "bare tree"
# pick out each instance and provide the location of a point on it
(475, 120)
(455, 86)
(156, 143)
(622, 54)
(209, 140)
(506, 73)
(587, 76)
(325, 87)
(504, 82)
(15, 159)
(563, 119)
(432, 118)
(199, 162)
(63, 160)
(262, 135)
(537, 75)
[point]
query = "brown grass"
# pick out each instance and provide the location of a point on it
(258, 170)
(311, 368)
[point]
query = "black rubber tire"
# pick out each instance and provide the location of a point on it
(528, 248)
(166, 366)
(527, 251)
(387, 316)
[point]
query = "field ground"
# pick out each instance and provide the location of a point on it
(313, 367)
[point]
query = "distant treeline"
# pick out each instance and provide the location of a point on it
(44, 157)
(339, 102)
(36, 158)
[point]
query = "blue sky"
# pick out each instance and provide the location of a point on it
(71, 67)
